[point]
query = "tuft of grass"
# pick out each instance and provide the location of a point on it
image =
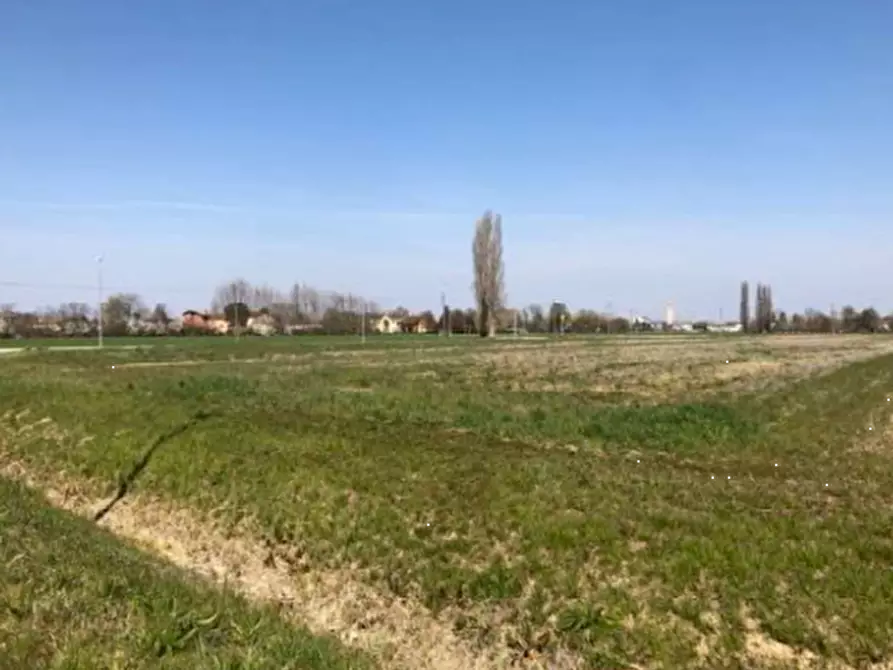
(688, 426)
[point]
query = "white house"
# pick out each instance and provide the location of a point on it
(387, 324)
(219, 325)
(724, 328)
(262, 324)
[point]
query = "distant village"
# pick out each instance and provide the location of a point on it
(266, 322)
(238, 308)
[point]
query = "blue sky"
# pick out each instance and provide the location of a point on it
(639, 151)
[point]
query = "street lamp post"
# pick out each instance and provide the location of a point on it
(99, 291)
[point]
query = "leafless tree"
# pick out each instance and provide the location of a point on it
(869, 320)
(235, 291)
(283, 311)
(264, 297)
(760, 308)
(767, 308)
(471, 321)
(536, 321)
(765, 313)
(428, 321)
(587, 321)
(294, 300)
(306, 304)
(159, 315)
(559, 317)
(315, 304)
(118, 311)
(311, 304)
(7, 317)
(782, 324)
(337, 301)
(489, 271)
(359, 304)
(74, 310)
(74, 317)
(849, 318)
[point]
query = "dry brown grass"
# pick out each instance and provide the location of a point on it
(660, 367)
(763, 651)
(663, 367)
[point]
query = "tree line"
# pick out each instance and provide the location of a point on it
(304, 308)
(766, 319)
(307, 310)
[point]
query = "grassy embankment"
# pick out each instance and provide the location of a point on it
(72, 596)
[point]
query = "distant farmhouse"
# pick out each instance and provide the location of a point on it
(389, 324)
(261, 323)
(192, 320)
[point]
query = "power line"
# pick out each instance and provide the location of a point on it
(18, 284)
(92, 287)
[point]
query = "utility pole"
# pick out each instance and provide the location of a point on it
(363, 324)
(516, 323)
(99, 293)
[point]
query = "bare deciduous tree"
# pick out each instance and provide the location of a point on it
(264, 297)
(307, 304)
(849, 318)
(559, 317)
(294, 298)
(767, 308)
(118, 311)
(489, 272)
(7, 316)
(74, 318)
(235, 291)
(536, 322)
(765, 313)
(869, 320)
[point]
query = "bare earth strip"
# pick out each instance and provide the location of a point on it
(399, 633)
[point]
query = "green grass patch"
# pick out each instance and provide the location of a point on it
(72, 596)
(608, 530)
(689, 426)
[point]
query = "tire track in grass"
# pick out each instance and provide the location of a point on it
(126, 483)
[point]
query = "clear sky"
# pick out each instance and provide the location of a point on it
(638, 150)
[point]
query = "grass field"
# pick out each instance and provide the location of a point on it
(673, 502)
(72, 596)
